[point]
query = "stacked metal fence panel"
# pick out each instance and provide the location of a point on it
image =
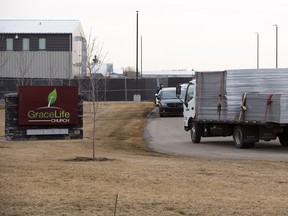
(267, 107)
(261, 80)
(210, 93)
(219, 94)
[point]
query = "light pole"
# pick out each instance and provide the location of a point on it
(276, 44)
(257, 50)
(137, 97)
(137, 52)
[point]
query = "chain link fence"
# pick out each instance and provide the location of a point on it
(106, 89)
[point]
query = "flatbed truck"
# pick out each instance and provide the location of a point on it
(248, 104)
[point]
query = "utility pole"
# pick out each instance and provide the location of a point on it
(276, 44)
(137, 90)
(137, 96)
(257, 50)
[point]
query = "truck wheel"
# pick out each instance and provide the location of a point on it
(196, 133)
(283, 137)
(238, 137)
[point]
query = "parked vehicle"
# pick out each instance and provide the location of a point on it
(157, 94)
(250, 105)
(169, 104)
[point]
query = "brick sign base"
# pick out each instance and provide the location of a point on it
(14, 131)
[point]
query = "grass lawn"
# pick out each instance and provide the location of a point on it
(41, 177)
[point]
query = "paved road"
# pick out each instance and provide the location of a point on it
(166, 135)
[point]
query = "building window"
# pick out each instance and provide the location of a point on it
(9, 44)
(42, 43)
(25, 45)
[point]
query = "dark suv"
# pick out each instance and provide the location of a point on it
(169, 104)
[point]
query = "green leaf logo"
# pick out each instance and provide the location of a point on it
(52, 97)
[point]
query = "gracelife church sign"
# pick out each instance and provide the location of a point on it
(48, 105)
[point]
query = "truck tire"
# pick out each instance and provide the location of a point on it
(196, 132)
(283, 137)
(239, 140)
(238, 137)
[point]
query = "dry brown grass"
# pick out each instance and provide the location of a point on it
(37, 179)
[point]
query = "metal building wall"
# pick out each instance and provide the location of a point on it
(40, 64)
(61, 59)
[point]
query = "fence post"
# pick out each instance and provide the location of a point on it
(125, 83)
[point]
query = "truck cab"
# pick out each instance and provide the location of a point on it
(189, 105)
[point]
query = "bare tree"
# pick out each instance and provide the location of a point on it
(95, 59)
(53, 68)
(25, 60)
(3, 54)
(3, 60)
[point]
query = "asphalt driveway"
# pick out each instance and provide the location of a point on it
(167, 135)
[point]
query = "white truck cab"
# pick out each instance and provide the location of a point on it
(189, 104)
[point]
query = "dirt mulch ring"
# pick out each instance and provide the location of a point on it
(96, 159)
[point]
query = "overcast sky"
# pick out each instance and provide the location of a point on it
(176, 34)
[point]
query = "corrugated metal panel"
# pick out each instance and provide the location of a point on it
(38, 26)
(37, 64)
